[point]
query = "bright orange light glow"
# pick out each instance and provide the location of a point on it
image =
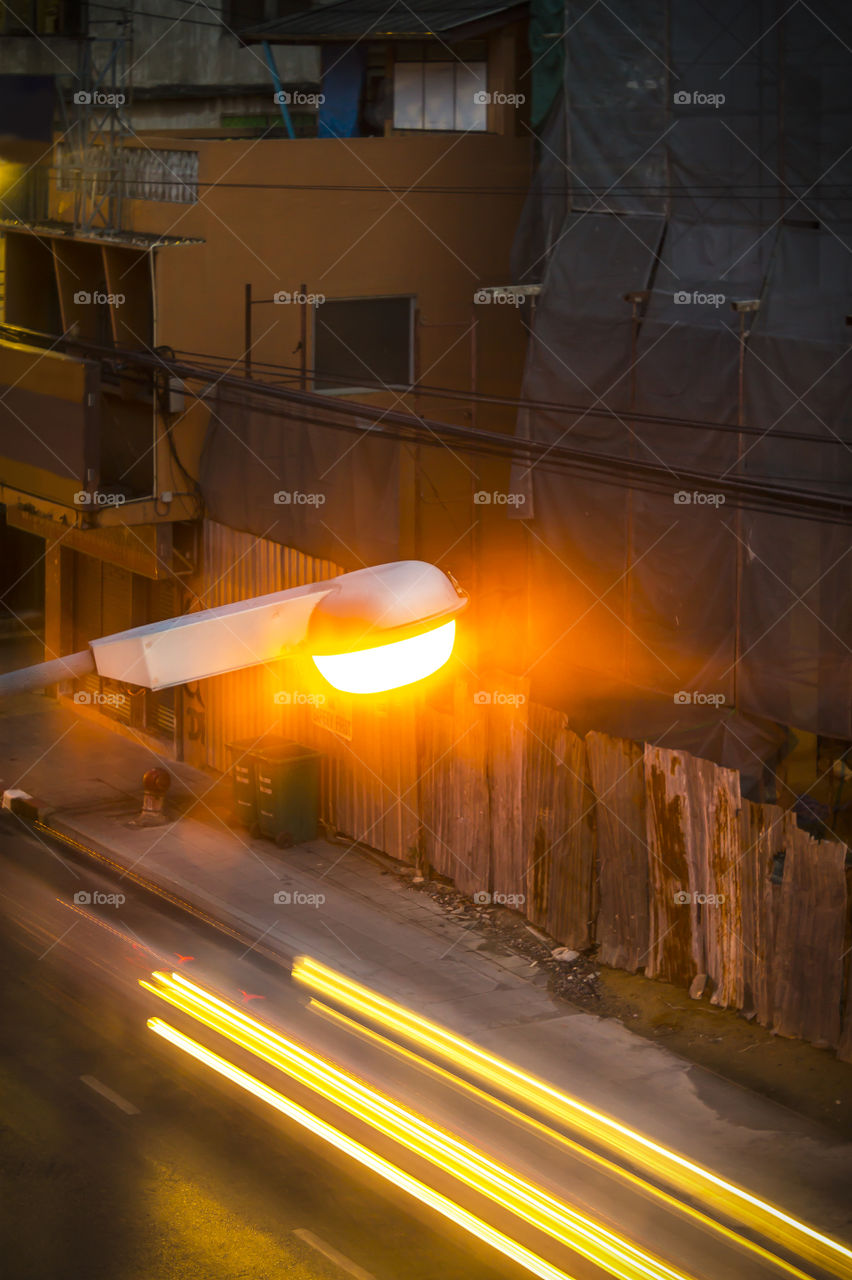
(688, 1177)
(389, 666)
(10, 175)
(418, 1190)
(532, 1204)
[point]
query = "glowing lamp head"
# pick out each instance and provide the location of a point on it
(386, 627)
(389, 666)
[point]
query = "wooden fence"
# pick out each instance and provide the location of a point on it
(649, 854)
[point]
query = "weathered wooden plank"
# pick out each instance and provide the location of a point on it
(506, 719)
(844, 1046)
(469, 844)
(397, 766)
(694, 846)
(435, 786)
(542, 745)
(811, 938)
(411, 769)
(671, 869)
(558, 829)
(456, 815)
(713, 844)
(761, 840)
(618, 782)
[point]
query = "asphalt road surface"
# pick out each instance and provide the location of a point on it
(120, 1162)
(124, 1159)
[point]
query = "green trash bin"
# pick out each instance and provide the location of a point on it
(244, 775)
(288, 781)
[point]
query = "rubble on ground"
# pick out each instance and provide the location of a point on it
(572, 975)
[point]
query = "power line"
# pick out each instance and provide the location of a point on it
(284, 373)
(430, 390)
(757, 192)
(314, 410)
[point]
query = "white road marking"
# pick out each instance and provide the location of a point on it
(339, 1259)
(110, 1095)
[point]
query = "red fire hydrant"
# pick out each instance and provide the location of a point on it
(156, 783)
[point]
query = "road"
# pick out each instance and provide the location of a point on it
(190, 1185)
(128, 1159)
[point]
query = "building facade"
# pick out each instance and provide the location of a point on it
(345, 266)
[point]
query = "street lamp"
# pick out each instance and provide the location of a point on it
(367, 631)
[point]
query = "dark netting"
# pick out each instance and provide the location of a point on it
(279, 477)
(698, 158)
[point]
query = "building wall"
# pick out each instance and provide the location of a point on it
(340, 218)
(427, 216)
(326, 214)
(187, 65)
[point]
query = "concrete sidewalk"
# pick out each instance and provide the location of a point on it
(373, 926)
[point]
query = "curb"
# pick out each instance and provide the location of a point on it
(103, 857)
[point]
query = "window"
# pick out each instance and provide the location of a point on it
(43, 18)
(440, 95)
(359, 341)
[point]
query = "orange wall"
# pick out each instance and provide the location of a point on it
(347, 243)
(438, 247)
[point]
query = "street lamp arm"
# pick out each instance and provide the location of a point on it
(27, 679)
(371, 630)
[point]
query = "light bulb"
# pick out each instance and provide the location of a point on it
(388, 666)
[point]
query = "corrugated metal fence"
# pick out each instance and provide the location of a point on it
(370, 767)
(650, 854)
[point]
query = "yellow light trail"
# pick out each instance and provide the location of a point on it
(486, 1176)
(689, 1177)
(553, 1135)
(418, 1190)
